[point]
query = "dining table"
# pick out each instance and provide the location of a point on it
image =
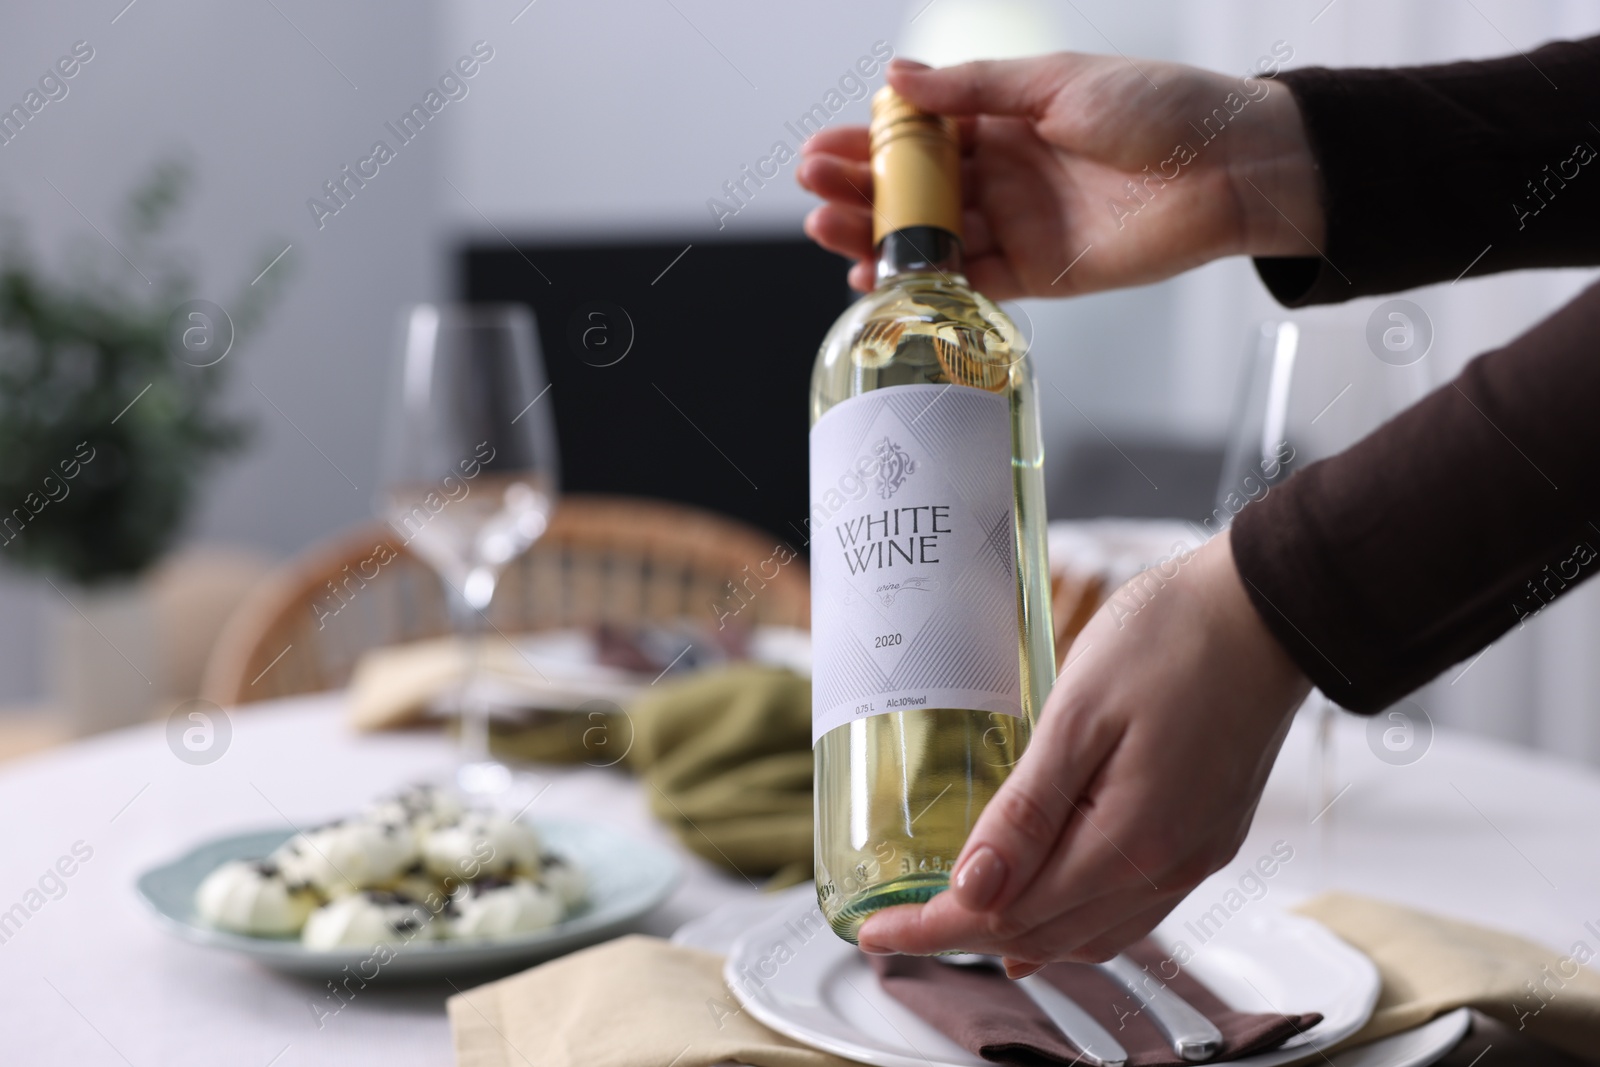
(1456, 824)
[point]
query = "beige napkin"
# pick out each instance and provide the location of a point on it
(395, 685)
(1431, 965)
(633, 1002)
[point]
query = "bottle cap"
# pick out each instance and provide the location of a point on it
(916, 167)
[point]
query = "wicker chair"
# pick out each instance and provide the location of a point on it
(603, 559)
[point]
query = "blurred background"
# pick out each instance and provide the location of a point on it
(597, 159)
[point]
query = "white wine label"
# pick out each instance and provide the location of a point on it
(913, 555)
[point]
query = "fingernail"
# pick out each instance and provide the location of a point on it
(1015, 970)
(980, 878)
(902, 63)
(872, 948)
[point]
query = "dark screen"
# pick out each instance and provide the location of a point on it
(683, 380)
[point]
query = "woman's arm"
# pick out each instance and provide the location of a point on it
(1431, 173)
(1457, 520)
(1461, 518)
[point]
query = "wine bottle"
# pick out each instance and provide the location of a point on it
(930, 613)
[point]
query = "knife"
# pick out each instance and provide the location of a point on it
(1193, 1036)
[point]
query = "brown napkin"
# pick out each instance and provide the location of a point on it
(1431, 965)
(987, 1014)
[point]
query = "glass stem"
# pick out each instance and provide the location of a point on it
(1324, 774)
(473, 709)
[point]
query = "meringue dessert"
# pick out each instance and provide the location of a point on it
(565, 878)
(342, 857)
(477, 844)
(419, 885)
(416, 865)
(501, 907)
(253, 897)
(421, 806)
(366, 919)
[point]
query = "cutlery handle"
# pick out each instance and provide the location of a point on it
(1099, 1048)
(1193, 1036)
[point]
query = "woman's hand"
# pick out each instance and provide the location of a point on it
(1141, 779)
(1220, 166)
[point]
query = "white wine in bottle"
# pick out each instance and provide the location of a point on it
(930, 589)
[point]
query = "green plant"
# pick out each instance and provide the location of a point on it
(104, 431)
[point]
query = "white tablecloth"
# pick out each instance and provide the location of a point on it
(1473, 829)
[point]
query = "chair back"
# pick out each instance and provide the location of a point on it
(603, 559)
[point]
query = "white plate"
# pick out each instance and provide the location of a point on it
(627, 878)
(1411, 1048)
(718, 930)
(799, 979)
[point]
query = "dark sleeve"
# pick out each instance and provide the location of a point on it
(1453, 522)
(1431, 173)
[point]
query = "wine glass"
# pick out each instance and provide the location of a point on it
(1307, 392)
(469, 476)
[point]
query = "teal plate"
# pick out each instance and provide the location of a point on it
(627, 879)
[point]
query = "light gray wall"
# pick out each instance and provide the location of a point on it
(266, 118)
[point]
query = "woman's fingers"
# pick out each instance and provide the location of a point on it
(977, 239)
(942, 925)
(845, 178)
(1082, 935)
(1018, 830)
(843, 224)
(1114, 940)
(1103, 947)
(1088, 887)
(995, 276)
(850, 142)
(836, 179)
(1023, 87)
(1034, 819)
(846, 230)
(842, 229)
(854, 142)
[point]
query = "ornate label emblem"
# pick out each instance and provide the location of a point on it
(894, 467)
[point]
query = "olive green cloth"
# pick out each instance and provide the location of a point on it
(724, 755)
(1431, 965)
(633, 1002)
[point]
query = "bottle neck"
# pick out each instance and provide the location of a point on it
(918, 250)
